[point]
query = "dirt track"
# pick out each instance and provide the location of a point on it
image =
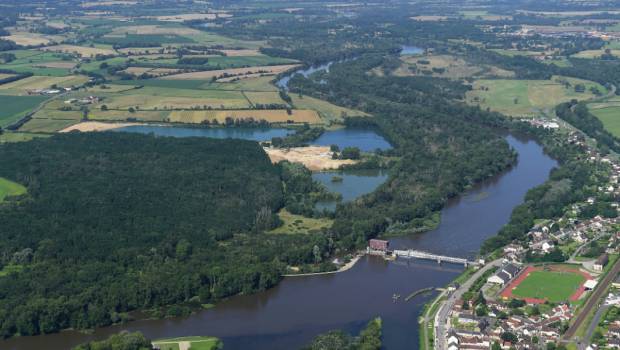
(315, 158)
(96, 126)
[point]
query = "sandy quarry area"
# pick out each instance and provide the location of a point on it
(315, 158)
(96, 126)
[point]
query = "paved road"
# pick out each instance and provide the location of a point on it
(597, 317)
(593, 301)
(441, 317)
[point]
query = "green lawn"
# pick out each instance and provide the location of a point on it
(196, 343)
(610, 116)
(15, 107)
(551, 285)
(10, 188)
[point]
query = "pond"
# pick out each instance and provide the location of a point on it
(291, 314)
(351, 184)
(253, 134)
(366, 140)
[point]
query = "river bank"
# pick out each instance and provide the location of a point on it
(265, 321)
(343, 268)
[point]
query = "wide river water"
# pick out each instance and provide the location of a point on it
(291, 314)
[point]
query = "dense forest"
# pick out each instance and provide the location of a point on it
(114, 222)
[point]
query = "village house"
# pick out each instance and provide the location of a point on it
(601, 262)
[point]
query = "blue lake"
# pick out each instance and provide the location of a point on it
(353, 185)
(366, 140)
(253, 134)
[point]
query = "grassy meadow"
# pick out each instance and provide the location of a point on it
(609, 114)
(10, 188)
(527, 97)
(298, 224)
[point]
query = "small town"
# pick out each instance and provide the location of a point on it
(559, 287)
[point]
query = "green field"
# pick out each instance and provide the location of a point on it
(527, 97)
(551, 285)
(10, 188)
(34, 61)
(327, 111)
(610, 116)
(195, 343)
(292, 224)
(15, 107)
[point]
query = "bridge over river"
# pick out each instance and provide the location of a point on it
(418, 254)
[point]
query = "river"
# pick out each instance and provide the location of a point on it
(291, 314)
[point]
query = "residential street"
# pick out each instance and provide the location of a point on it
(444, 311)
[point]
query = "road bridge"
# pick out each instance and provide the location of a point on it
(418, 254)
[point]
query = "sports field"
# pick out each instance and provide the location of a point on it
(552, 283)
(10, 188)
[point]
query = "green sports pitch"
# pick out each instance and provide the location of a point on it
(555, 286)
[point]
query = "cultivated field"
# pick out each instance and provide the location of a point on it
(80, 50)
(527, 97)
(242, 52)
(10, 188)
(15, 107)
(272, 116)
(595, 53)
(4, 75)
(152, 98)
(327, 111)
(152, 29)
(44, 82)
(553, 285)
(32, 39)
(46, 125)
(233, 71)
